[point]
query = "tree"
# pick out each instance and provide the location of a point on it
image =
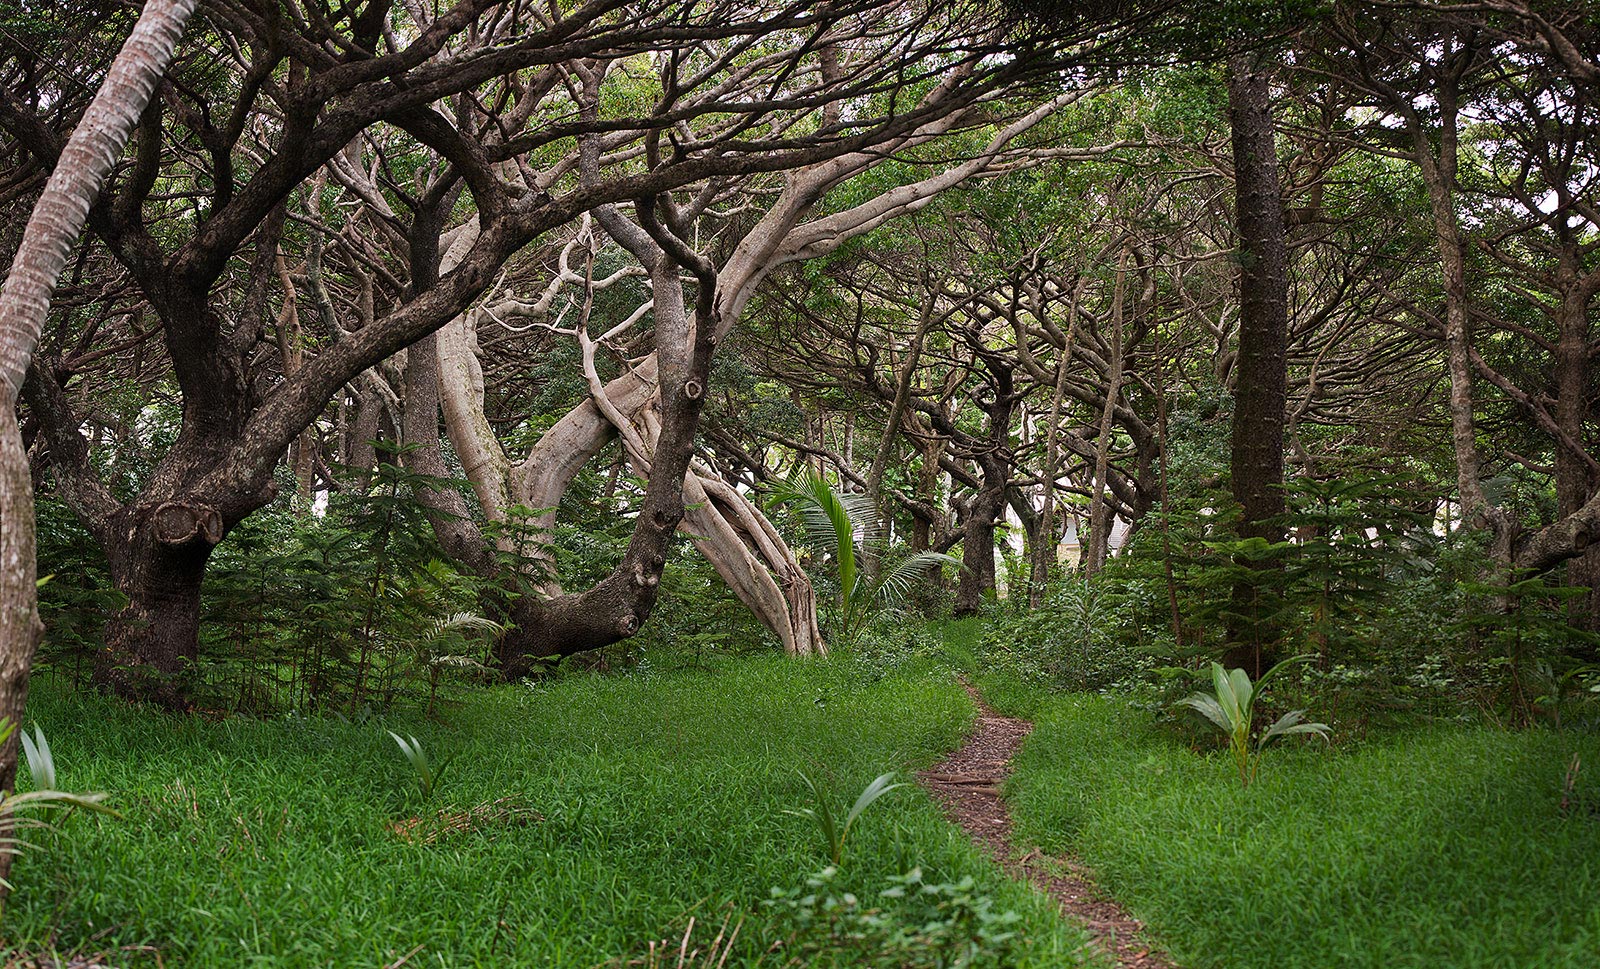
(1256, 459)
(206, 270)
(58, 216)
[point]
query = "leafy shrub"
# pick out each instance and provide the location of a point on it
(1232, 709)
(1086, 636)
(889, 643)
(915, 924)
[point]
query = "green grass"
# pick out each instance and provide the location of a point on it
(255, 843)
(1432, 848)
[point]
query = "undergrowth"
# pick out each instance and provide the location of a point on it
(1450, 845)
(639, 802)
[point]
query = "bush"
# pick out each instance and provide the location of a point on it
(1088, 635)
(914, 924)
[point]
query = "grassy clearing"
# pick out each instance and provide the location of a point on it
(251, 843)
(1438, 847)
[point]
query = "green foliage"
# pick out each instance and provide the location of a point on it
(890, 644)
(1399, 620)
(1232, 709)
(1437, 846)
(1085, 636)
(41, 762)
(357, 608)
(1520, 628)
(78, 597)
(16, 808)
(696, 619)
(261, 841)
(845, 525)
(937, 925)
(428, 776)
(834, 834)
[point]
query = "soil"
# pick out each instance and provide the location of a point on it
(967, 785)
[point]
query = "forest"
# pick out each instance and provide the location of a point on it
(846, 483)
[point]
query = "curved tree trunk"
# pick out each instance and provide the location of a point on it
(977, 543)
(753, 559)
(562, 623)
(618, 605)
(58, 217)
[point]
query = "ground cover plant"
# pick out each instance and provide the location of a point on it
(642, 801)
(1453, 844)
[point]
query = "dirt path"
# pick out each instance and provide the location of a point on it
(967, 786)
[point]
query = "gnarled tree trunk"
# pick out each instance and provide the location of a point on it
(977, 543)
(158, 560)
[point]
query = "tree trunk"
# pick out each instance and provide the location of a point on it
(1044, 549)
(1102, 517)
(158, 560)
(891, 430)
(57, 219)
(977, 543)
(447, 511)
(1257, 438)
(358, 453)
(20, 627)
(615, 608)
(1439, 177)
(1575, 483)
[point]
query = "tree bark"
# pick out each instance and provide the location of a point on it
(977, 543)
(618, 605)
(158, 561)
(891, 429)
(1044, 546)
(57, 219)
(1257, 436)
(1102, 517)
(1575, 483)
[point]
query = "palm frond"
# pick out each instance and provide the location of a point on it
(462, 621)
(826, 516)
(1207, 706)
(895, 583)
(1293, 723)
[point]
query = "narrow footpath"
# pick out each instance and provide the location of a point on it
(967, 786)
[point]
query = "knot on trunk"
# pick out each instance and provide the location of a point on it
(179, 523)
(628, 625)
(693, 389)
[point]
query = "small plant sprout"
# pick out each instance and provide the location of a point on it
(833, 835)
(428, 776)
(41, 762)
(1232, 709)
(43, 798)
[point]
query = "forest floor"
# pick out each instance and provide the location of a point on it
(967, 785)
(579, 821)
(574, 824)
(1448, 843)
